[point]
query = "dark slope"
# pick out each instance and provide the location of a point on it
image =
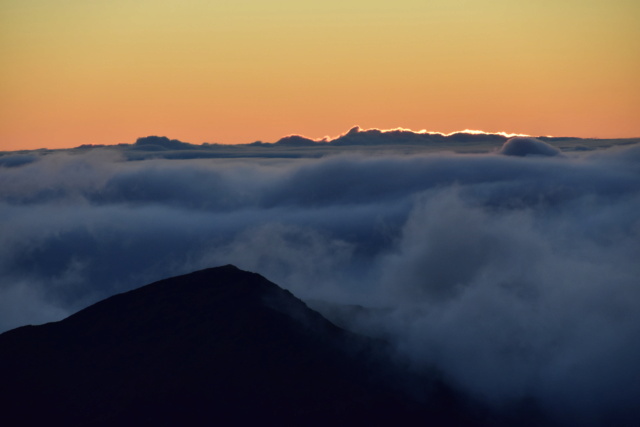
(218, 345)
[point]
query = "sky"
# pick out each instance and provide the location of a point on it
(90, 72)
(513, 273)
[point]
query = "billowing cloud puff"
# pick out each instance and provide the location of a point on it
(524, 146)
(516, 278)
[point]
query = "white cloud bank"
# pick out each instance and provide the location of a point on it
(515, 276)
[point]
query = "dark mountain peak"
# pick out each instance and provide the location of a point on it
(229, 267)
(221, 294)
(161, 142)
(296, 141)
(219, 345)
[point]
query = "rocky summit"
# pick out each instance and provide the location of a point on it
(219, 346)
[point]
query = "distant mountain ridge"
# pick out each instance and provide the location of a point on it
(373, 137)
(217, 346)
(354, 137)
(400, 141)
(357, 136)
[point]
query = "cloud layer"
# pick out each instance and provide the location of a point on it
(514, 276)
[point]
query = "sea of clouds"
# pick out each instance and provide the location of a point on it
(516, 274)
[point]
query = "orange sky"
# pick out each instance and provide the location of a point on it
(105, 72)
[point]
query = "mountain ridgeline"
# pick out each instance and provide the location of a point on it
(356, 140)
(215, 346)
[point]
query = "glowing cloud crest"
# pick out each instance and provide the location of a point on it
(397, 136)
(358, 129)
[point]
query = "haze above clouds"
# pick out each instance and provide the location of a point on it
(514, 273)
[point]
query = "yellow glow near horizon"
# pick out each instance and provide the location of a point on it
(79, 72)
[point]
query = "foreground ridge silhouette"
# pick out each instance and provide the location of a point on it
(215, 346)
